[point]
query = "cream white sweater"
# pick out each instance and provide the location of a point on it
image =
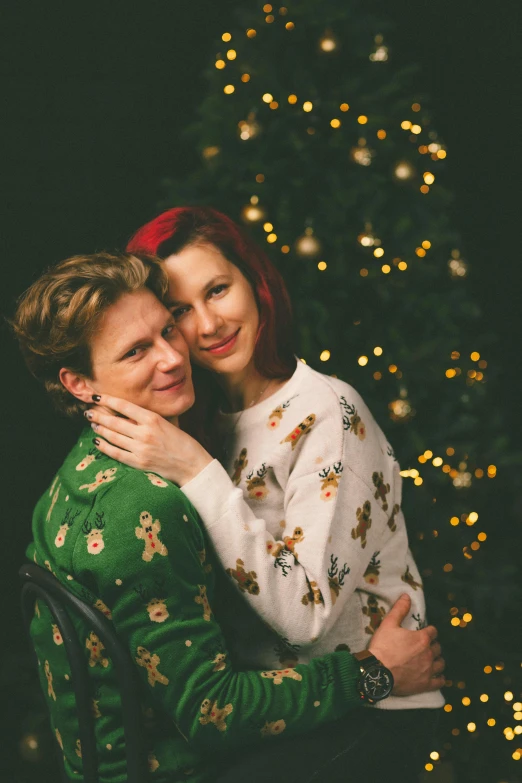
(306, 519)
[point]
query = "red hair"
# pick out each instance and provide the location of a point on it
(177, 228)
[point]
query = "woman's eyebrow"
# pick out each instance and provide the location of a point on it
(206, 288)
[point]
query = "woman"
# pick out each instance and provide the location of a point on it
(309, 493)
(132, 545)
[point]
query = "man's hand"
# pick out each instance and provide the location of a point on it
(413, 657)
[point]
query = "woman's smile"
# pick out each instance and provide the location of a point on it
(223, 346)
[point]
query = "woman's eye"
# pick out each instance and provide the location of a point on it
(218, 289)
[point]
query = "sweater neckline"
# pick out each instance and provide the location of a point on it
(263, 408)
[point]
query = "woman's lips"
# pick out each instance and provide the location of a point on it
(224, 345)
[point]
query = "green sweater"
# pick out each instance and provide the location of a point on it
(132, 545)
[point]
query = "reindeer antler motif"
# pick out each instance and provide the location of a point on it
(344, 572)
(332, 571)
(99, 523)
(68, 520)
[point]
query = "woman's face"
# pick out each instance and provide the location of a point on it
(137, 353)
(214, 308)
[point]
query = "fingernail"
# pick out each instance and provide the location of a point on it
(88, 415)
(94, 426)
(96, 397)
(96, 441)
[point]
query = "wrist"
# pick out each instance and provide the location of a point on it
(196, 468)
(375, 680)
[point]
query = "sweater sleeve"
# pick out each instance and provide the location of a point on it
(334, 520)
(151, 572)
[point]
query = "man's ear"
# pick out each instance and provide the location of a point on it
(78, 385)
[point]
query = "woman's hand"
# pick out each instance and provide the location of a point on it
(146, 441)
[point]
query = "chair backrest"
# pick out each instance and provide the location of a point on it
(37, 583)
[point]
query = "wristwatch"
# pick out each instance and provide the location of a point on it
(375, 681)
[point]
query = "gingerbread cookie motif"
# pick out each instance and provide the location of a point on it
(371, 575)
(364, 523)
(96, 649)
(65, 525)
(246, 580)
(156, 480)
(275, 417)
(375, 613)
(313, 596)
(239, 466)
(148, 532)
(302, 429)
(89, 458)
(410, 580)
(202, 554)
(102, 477)
(53, 502)
(219, 662)
(279, 674)
(392, 524)
(103, 608)
(330, 478)
(78, 749)
(351, 419)
(152, 762)
(273, 728)
(381, 489)
(336, 577)
(291, 541)
(211, 713)
(49, 676)
(203, 600)
(256, 485)
(151, 662)
(94, 535)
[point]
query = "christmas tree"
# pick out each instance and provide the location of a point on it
(316, 139)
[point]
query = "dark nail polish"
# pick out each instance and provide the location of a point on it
(96, 441)
(96, 397)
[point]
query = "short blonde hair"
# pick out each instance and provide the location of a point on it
(58, 314)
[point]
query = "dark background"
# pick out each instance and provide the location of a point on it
(94, 99)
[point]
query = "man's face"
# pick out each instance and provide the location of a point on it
(138, 354)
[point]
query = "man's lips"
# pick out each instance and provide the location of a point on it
(222, 343)
(172, 385)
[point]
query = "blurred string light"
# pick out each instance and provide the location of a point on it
(380, 54)
(328, 42)
(362, 154)
(307, 245)
(457, 266)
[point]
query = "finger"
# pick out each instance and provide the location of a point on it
(400, 609)
(112, 423)
(128, 409)
(114, 438)
(438, 666)
(435, 649)
(115, 453)
(437, 683)
(431, 631)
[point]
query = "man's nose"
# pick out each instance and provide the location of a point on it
(169, 357)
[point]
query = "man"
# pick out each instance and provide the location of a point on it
(130, 543)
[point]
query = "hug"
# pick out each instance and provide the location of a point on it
(236, 514)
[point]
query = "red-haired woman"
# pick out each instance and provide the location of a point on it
(304, 504)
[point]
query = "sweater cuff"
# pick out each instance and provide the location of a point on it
(348, 671)
(209, 492)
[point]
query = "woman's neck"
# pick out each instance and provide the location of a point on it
(244, 390)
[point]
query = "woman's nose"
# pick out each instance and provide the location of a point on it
(209, 322)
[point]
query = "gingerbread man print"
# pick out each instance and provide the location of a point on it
(375, 613)
(392, 524)
(246, 580)
(279, 674)
(300, 431)
(151, 663)
(203, 600)
(211, 713)
(381, 489)
(148, 532)
(102, 477)
(49, 677)
(239, 466)
(96, 650)
(273, 728)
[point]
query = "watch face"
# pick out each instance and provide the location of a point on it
(376, 682)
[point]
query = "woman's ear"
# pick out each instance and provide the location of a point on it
(78, 385)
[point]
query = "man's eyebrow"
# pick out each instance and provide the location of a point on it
(126, 347)
(206, 288)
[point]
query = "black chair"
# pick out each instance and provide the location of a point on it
(42, 585)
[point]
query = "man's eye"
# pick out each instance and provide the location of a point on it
(178, 312)
(167, 330)
(133, 352)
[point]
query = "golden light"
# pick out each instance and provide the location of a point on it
(416, 129)
(437, 462)
(426, 244)
(474, 356)
(517, 706)
(362, 119)
(220, 64)
(274, 104)
(308, 106)
(269, 19)
(344, 106)
(482, 536)
(386, 269)
(488, 669)
(491, 722)
(260, 178)
(428, 767)
(211, 152)
(447, 568)
(434, 755)
(361, 154)
(508, 696)
(271, 238)
(392, 368)
(322, 265)
(401, 410)
(252, 213)
(420, 252)
(484, 697)
(448, 708)
(381, 134)
(292, 98)
(428, 178)
(325, 355)
(335, 123)
(377, 350)
(289, 25)
(245, 78)
(268, 226)
(377, 375)
(251, 33)
(416, 107)
(450, 451)
(229, 89)
(267, 8)
(378, 252)
(492, 471)
(471, 727)
(328, 43)
(362, 360)
(454, 521)
(363, 272)
(404, 170)
(450, 373)
(466, 701)
(455, 621)
(403, 265)
(226, 37)
(467, 617)
(418, 481)
(268, 97)
(231, 54)
(285, 248)
(428, 454)
(406, 125)
(441, 154)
